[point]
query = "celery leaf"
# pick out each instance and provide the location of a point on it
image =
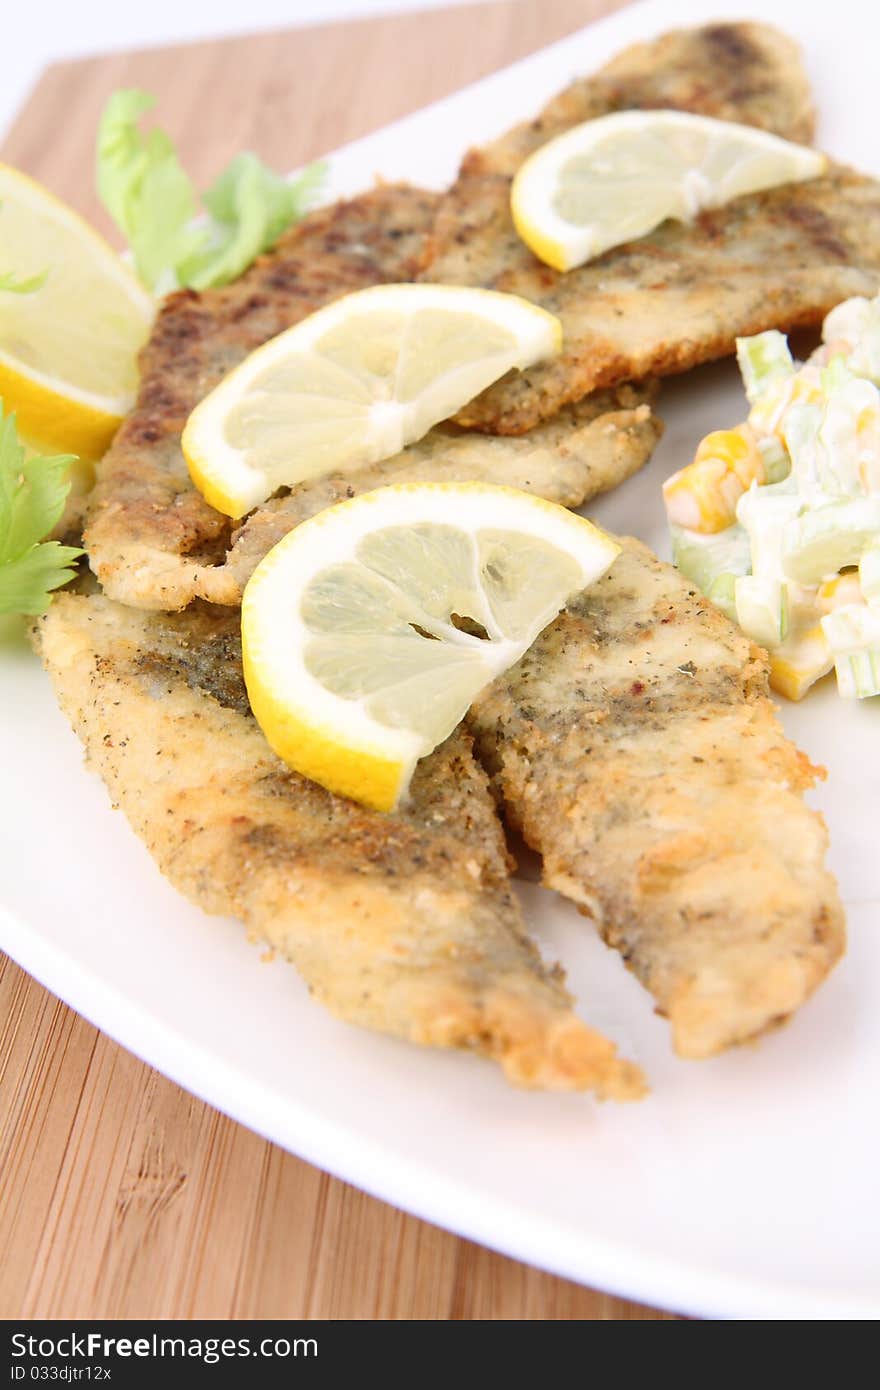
(150, 197)
(32, 496)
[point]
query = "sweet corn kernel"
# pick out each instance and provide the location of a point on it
(736, 448)
(703, 496)
(800, 662)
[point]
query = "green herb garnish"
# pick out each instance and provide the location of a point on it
(10, 282)
(32, 496)
(153, 202)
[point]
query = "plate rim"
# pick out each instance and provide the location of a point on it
(662, 1281)
(695, 1290)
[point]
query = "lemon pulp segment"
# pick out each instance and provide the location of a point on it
(369, 630)
(354, 383)
(68, 348)
(616, 178)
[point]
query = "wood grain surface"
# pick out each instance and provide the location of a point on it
(120, 1194)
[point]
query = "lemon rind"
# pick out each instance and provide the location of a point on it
(565, 245)
(41, 197)
(372, 778)
(320, 734)
(58, 420)
(61, 414)
(234, 486)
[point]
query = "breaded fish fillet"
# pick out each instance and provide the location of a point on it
(636, 748)
(153, 540)
(682, 294)
(586, 449)
(145, 514)
(404, 923)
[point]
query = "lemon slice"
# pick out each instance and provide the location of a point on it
(354, 383)
(368, 631)
(616, 178)
(68, 349)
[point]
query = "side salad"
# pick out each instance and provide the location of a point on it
(778, 520)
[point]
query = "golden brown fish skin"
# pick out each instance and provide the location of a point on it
(733, 72)
(637, 750)
(682, 294)
(405, 923)
(744, 72)
(147, 524)
(584, 450)
(155, 542)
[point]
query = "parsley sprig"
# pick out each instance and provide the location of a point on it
(32, 496)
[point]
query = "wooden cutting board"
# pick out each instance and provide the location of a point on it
(121, 1195)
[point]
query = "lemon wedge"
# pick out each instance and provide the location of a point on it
(354, 383)
(615, 178)
(68, 349)
(368, 631)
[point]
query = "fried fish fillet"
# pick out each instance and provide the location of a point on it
(636, 749)
(586, 449)
(684, 293)
(153, 540)
(404, 923)
(147, 522)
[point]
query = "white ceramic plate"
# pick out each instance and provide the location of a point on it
(745, 1186)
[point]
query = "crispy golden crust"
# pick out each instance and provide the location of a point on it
(733, 72)
(154, 541)
(637, 750)
(148, 526)
(586, 449)
(404, 923)
(681, 295)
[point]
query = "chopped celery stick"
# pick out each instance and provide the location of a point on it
(849, 440)
(762, 609)
(822, 542)
(722, 592)
(858, 674)
(786, 487)
(801, 435)
(777, 464)
(855, 324)
(765, 512)
(764, 361)
(854, 635)
(836, 374)
(853, 626)
(869, 573)
(866, 356)
(704, 557)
